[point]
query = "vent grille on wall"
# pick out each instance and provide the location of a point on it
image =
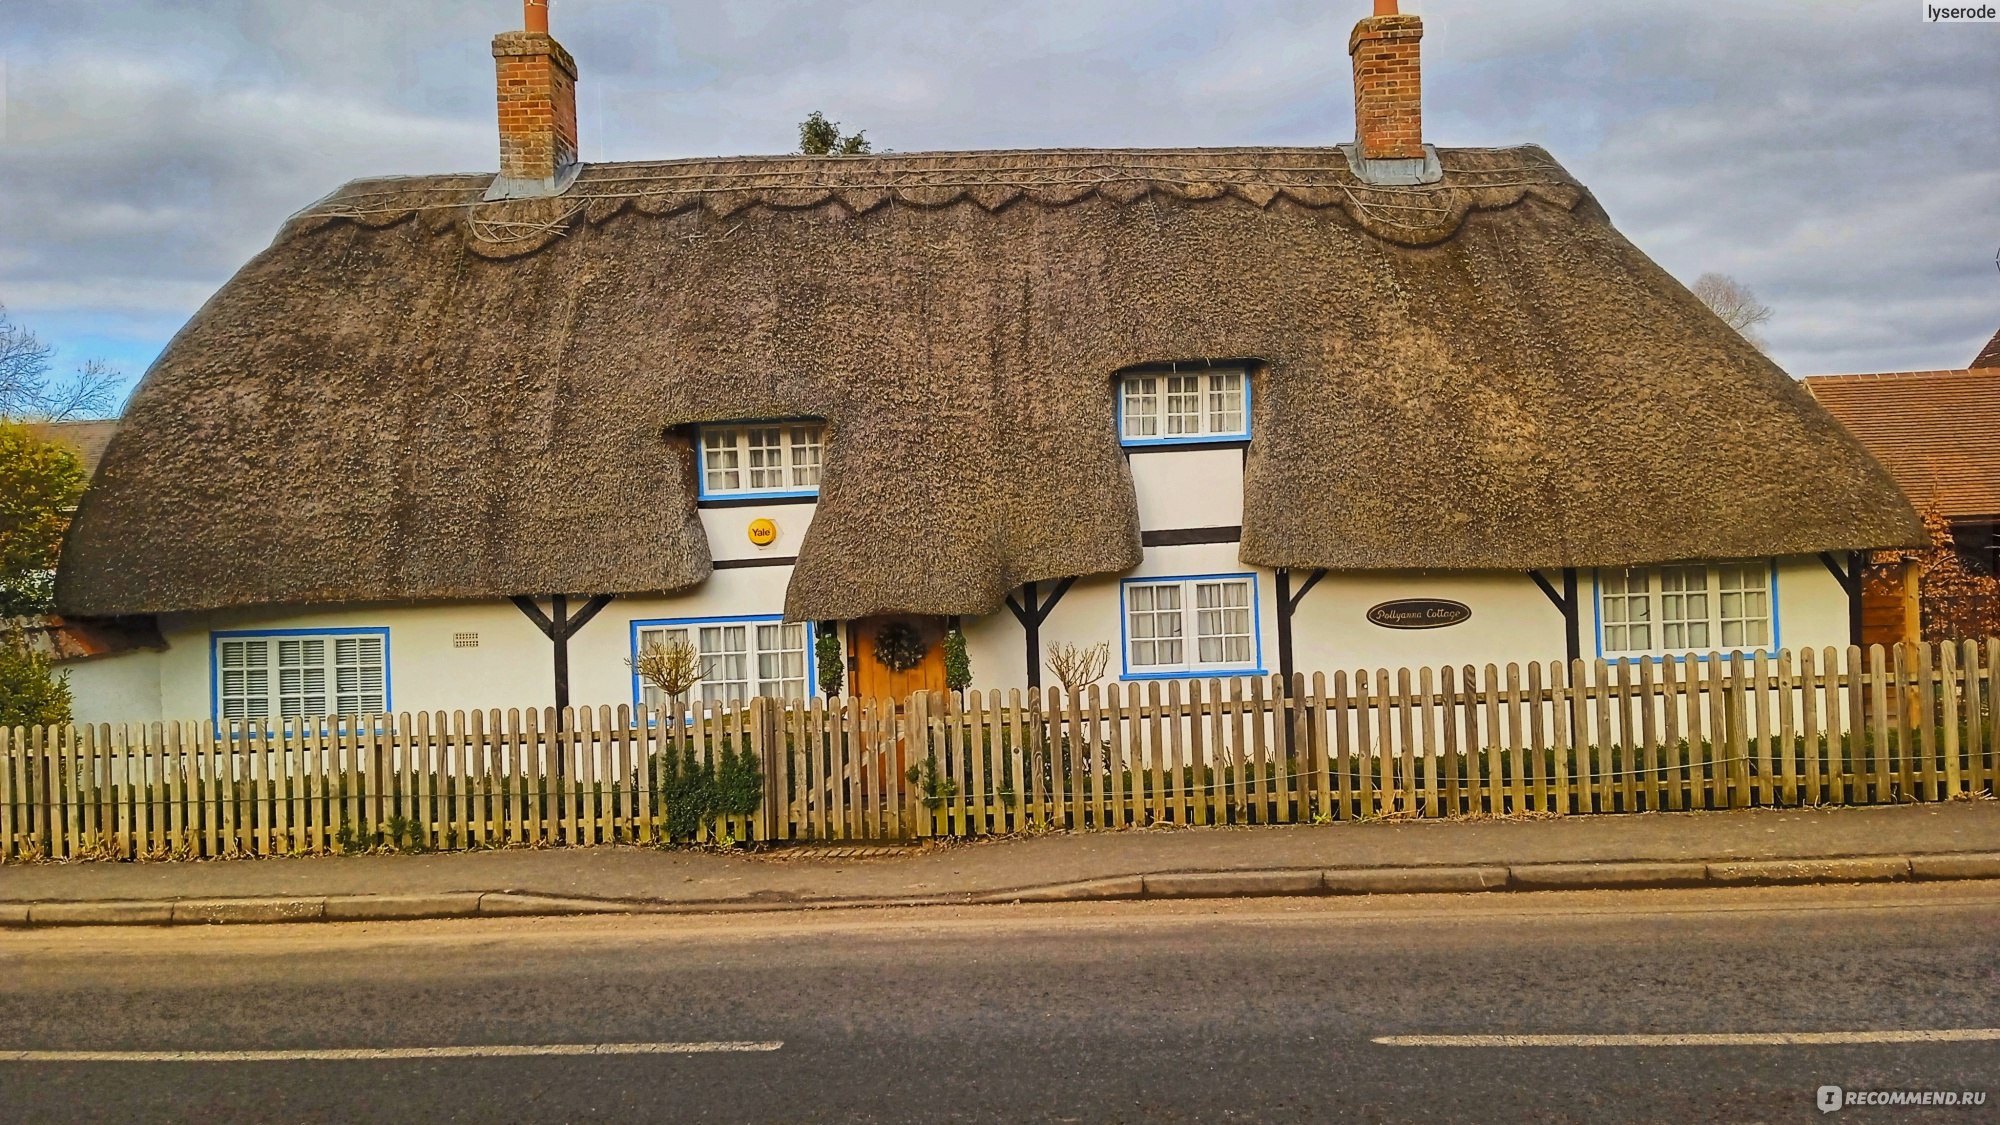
(465, 640)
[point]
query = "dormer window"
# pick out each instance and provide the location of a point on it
(1168, 407)
(761, 459)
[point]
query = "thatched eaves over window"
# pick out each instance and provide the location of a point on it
(417, 395)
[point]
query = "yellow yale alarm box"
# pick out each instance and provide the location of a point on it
(763, 533)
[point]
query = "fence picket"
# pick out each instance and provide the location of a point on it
(1947, 697)
(1919, 697)
(1976, 723)
(1765, 783)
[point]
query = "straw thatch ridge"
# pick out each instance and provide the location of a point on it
(414, 395)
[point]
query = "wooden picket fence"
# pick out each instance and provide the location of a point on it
(1825, 727)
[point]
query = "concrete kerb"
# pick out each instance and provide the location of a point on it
(1161, 886)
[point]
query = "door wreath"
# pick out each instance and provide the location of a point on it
(899, 646)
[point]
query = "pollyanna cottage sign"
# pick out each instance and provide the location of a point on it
(1419, 613)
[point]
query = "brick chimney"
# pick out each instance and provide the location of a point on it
(536, 80)
(1388, 85)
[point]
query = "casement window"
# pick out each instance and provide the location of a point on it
(761, 459)
(740, 657)
(1687, 609)
(293, 675)
(1191, 626)
(1158, 407)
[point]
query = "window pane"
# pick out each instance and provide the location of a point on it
(1183, 405)
(1627, 602)
(781, 660)
(720, 460)
(726, 660)
(1142, 407)
(1153, 625)
(1222, 622)
(805, 456)
(303, 677)
(1225, 403)
(1744, 605)
(767, 457)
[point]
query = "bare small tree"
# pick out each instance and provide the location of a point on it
(29, 390)
(673, 668)
(1078, 668)
(1734, 302)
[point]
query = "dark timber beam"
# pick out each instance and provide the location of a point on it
(1031, 613)
(559, 626)
(1850, 578)
(1288, 605)
(1572, 610)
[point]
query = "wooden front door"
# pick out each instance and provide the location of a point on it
(874, 679)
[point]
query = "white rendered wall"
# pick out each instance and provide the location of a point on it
(1512, 621)
(1182, 489)
(116, 689)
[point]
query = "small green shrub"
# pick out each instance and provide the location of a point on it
(32, 692)
(692, 795)
(957, 663)
(832, 665)
(936, 786)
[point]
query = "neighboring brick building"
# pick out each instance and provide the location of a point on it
(1989, 356)
(1938, 434)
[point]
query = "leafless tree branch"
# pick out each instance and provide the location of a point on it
(1734, 302)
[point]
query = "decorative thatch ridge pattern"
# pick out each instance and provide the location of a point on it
(415, 395)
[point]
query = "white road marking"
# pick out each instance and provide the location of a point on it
(373, 1054)
(1700, 1039)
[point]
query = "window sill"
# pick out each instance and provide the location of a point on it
(755, 499)
(1182, 445)
(1202, 674)
(1684, 657)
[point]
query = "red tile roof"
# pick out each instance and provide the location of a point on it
(1937, 432)
(1990, 356)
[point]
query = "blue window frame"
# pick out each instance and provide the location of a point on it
(769, 460)
(758, 654)
(298, 673)
(1190, 627)
(1202, 405)
(1685, 611)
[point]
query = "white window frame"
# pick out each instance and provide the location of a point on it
(740, 448)
(279, 674)
(1690, 609)
(1195, 623)
(749, 679)
(1147, 402)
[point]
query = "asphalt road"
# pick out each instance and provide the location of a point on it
(1227, 1011)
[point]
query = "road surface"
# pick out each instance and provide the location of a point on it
(1665, 1006)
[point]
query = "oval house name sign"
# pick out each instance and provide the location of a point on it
(1419, 613)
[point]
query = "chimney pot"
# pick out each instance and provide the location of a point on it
(535, 15)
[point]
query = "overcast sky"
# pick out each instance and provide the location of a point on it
(1841, 157)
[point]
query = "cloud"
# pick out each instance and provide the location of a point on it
(1835, 155)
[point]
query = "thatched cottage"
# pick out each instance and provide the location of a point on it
(467, 440)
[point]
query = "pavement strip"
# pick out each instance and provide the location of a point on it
(374, 1054)
(1701, 1039)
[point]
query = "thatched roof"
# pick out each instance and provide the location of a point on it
(413, 395)
(1938, 432)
